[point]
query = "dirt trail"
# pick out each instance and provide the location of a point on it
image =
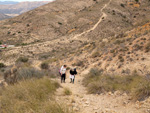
(95, 26)
(82, 102)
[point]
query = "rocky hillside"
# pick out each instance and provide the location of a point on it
(85, 33)
(2, 16)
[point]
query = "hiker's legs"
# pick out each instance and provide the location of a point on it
(64, 77)
(73, 79)
(61, 78)
(70, 80)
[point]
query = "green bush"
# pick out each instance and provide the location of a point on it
(59, 23)
(137, 1)
(122, 5)
(31, 96)
(44, 65)
(2, 65)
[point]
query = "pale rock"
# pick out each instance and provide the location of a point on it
(109, 93)
(85, 105)
(4, 84)
(95, 108)
(87, 102)
(124, 94)
(117, 93)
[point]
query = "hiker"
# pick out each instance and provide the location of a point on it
(73, 72)
(71, 75)
(63, 73)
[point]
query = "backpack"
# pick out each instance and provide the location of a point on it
(75, 71)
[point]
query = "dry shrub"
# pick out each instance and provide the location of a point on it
(44, 65)
(79, 63)
(13, 76)
(34, 95)
(22, 59)
(67, 91)
(137, 86)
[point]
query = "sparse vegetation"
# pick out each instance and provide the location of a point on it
(15, 75)
(147, 47)
(122, 5)
(35, 95)
(22, 59)
(121, 58)
(79, 63)
(95, 54)
(28, 73)
(137, 86)
(67, 91)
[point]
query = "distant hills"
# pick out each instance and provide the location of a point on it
(16, 8)
(8, 2)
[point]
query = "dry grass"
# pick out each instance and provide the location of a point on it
(67, 91)
(137, 86)
(31, 96)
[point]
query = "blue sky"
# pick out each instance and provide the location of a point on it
(25, 0)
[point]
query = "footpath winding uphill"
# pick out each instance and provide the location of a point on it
(82, 102)
(104, 15)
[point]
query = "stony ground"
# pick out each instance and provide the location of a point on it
(82, 102)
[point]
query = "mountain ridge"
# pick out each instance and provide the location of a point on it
(8, 2)
(20, 7)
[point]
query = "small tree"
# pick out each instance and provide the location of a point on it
(137, 1)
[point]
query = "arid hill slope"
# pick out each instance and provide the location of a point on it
(70, 30)
(2, 16)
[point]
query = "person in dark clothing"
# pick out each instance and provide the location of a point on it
(73, 72)
(71, 75)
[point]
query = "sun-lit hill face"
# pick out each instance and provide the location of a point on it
(110, 37)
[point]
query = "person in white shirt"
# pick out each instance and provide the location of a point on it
(63, 73)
